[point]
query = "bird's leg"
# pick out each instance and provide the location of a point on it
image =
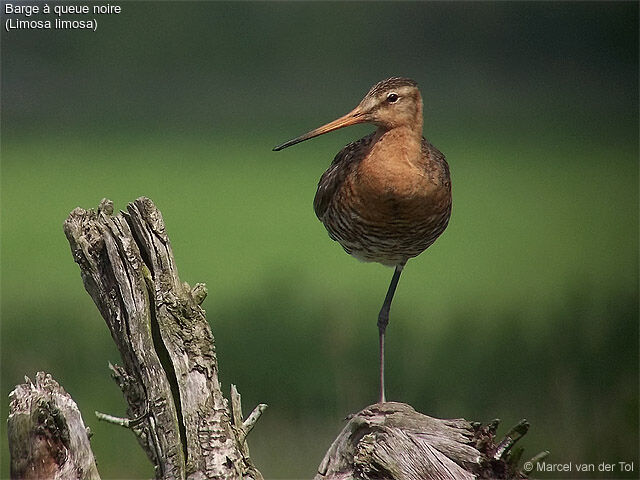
(383, 321)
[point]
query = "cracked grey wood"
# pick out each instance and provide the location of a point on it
(128, 268)
(47, 437)
(393, 441)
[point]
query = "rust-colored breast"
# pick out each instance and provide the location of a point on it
(385, 199)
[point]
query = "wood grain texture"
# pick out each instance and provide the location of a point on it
(47, 437)
(169, 375)
(392, 441)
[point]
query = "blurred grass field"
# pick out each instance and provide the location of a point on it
(531, 293)
(527, 306)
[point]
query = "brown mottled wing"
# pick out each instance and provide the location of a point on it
(333, 178)
(435, 164)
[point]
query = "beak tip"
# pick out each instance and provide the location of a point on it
(284, 145)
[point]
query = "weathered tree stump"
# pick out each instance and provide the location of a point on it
(47, 437)
(392, 441)
(169, 379)
(169, 375)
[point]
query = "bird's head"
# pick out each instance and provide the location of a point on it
(391, 103)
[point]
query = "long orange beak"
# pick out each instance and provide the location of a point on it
(357, 115)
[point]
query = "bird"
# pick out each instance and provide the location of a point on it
(386, 197)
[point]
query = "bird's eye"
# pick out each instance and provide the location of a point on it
(392, 98)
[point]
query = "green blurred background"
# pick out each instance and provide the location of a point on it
(527, 306)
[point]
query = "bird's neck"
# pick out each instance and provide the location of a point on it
(406, 135)
(409, 129)
(395, 153)
(401, 141)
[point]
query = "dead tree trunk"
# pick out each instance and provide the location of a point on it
(392, 441)
(47, 438)
(169, 379)
(169, 375)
